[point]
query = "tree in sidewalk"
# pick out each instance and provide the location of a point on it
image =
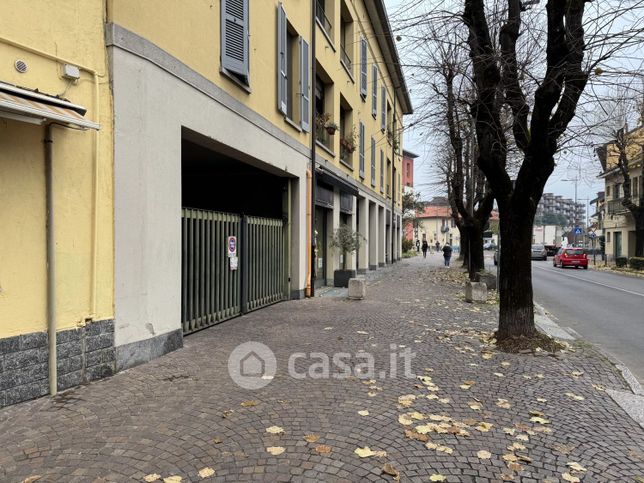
(539, 122)
(444, 79)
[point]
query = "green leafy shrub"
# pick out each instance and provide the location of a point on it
(347, 241)
(636, 263)
(621, 262)
(407, 245)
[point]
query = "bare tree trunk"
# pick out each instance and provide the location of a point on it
(465, 245)
(476, 257)
(639, 232)
(516, 316)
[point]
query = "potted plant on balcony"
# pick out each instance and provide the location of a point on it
(348, 142)
(347, 241)
(331, 127)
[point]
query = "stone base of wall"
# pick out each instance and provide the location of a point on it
(83, 355)
(140, 352)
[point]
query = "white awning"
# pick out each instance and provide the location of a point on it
(32, 107)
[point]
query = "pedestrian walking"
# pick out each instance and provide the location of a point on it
(438, 246)
(417, 245)
(425, 247)
(447, 254)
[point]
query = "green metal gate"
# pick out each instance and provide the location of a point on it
(212, 291)
(264, 272)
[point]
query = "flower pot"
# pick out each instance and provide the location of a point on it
(341, 277)
(330, 131)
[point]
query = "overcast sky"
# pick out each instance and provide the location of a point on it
(587, 187)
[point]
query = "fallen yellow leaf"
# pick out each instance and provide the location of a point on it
(484, 455)
(323, 449)
(206, 472)
(363, 413)
(388, 469)
(152, 477)
(575, 466)
(275, 450)
(249, 404)
(275, 430)
(568, 477)
(437, 477)
(311, 438)
(364, 452)
(172, 479)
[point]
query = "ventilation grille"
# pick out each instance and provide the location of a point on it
(21, 66)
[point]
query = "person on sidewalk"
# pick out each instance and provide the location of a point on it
(417, 245)
(447, 254)
(438, 246)
(425, 247)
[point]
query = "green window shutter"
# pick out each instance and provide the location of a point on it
(305, 85)
(382, 171)
(374, 92)
(234, 37)
(361, 150)
(373, 161)
(383, 108)
(363, 67)
(282, 60)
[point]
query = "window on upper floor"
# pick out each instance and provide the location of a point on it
(617, 191)
(636, 188)
(607, 192)
(373, 162)
(234, 40)
(361, 142)
(292, 73)
(323, 109)
(346, 39)
(383, 108)
(348, 135)
(323, 14)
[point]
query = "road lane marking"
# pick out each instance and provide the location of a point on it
(590, 281)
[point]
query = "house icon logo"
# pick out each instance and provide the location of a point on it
(252, 365)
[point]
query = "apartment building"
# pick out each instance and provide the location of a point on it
(618, 222)
(56, 199)
(166, 167)
(435, 224)
(555, 207)
(219, 108)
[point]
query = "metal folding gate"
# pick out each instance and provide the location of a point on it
(211, 289)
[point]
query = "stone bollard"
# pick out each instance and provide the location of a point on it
(357, 288)
(475, 292)
(488, 278)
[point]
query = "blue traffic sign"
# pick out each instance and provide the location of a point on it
(578, 230)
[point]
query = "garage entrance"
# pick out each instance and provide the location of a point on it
(234, 231)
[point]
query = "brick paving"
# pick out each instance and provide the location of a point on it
(182, 413)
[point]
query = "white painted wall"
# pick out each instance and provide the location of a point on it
(150, 108)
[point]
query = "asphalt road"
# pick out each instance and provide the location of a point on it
(606, 309)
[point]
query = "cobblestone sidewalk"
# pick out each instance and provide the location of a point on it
(473, 414)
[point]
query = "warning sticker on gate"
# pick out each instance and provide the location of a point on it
(232, 246)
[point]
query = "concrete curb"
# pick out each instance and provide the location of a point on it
(632, 403)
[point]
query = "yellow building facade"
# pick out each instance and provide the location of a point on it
(618, 224)
(56, 158)
(203, 154)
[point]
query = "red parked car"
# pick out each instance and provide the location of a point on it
(571, 257)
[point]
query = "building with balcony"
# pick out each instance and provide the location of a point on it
(555, 209)
(618, 222)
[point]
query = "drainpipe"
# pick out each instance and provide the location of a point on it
(51, 262)
(393, 181)
(313, 140)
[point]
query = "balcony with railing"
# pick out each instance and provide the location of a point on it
(344, 57)
(320, 15)
(615, 207)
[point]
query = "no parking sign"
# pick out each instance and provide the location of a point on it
(232, 246)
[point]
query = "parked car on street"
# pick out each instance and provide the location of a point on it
(539, 252)
(571, 257)
(552, 250)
